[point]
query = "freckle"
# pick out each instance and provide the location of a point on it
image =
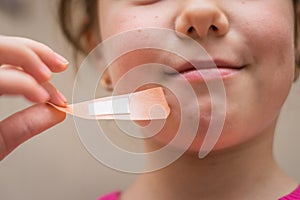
(139, 30)
(156, 16)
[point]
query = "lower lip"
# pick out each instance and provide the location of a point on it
(207, 74)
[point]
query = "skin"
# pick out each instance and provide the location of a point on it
(258, 35)
(25, 70)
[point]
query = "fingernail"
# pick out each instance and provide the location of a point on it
(61, 59)
(62, 97)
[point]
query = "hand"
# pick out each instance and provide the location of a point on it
(25, 69)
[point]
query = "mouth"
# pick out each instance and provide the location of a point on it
(204, 70)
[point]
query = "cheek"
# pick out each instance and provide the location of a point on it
(128, 69)
(113, 19)
(269, 37)
(274, 56)
(116, 24)
(265, 27)
(112, 23)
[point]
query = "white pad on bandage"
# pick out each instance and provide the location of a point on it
(115, 106)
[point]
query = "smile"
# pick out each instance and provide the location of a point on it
(204, 71)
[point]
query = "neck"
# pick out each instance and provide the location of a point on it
(225, 174)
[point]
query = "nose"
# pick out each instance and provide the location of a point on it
(199, 19)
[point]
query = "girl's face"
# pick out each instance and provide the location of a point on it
(255, 36)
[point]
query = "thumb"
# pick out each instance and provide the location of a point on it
(25, 124)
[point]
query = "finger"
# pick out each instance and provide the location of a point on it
(56, 96)
(16, 54)
(54, 61)
(23, 125)
(50, 59)
(17, 82)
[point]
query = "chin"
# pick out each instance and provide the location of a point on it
(230, 137)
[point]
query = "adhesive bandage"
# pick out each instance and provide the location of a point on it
(149, 104)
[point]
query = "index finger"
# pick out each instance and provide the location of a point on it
(53, 60)
(36, 59)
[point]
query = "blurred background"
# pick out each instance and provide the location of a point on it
(55, 165)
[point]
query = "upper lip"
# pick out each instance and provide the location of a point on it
(206, 64)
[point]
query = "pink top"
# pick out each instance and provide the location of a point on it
(295, 195)
(111, 196)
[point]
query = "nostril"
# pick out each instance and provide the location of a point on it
(214, 28)
(191, 29)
